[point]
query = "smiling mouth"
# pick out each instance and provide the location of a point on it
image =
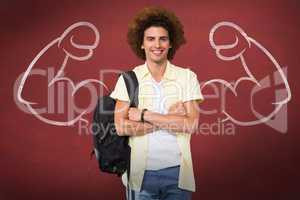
(157, 52)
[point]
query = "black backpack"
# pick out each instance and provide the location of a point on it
(112, 151)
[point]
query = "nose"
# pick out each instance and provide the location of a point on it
(157, 43)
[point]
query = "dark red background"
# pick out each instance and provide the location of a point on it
(41, 161)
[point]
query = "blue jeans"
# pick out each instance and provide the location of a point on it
(160, 185)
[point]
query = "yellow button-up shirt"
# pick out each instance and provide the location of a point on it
(178, 84)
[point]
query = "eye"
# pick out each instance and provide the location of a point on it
(164, 39)
(150, 38)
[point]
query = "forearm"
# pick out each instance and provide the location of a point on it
(172, 122)
(128, 127)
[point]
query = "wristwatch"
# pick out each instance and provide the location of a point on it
(142, 114)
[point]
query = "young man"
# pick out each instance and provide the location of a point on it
(167, 114)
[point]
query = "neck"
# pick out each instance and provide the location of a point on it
(157, 70)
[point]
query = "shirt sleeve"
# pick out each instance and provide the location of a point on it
(120, 91)
(192, 89)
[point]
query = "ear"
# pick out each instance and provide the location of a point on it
(142, 47)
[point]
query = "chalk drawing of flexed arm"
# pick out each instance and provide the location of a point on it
(249, 75)
(60, 75)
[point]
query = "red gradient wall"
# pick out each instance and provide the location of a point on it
(43, 161)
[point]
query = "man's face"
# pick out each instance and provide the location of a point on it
(156, 44)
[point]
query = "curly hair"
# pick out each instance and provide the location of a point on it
(159, 17)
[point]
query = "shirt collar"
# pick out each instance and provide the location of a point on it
(169, 73)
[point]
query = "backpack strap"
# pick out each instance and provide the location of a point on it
(132, 86)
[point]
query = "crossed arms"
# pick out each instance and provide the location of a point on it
(181, 117)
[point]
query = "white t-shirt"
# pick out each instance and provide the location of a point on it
(163, 149)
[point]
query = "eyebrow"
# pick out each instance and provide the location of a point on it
(154, 37)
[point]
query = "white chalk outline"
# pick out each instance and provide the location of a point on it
(60, 74)
(250, 77)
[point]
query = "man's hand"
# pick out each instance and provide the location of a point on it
(134, 114)
(177, 108)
